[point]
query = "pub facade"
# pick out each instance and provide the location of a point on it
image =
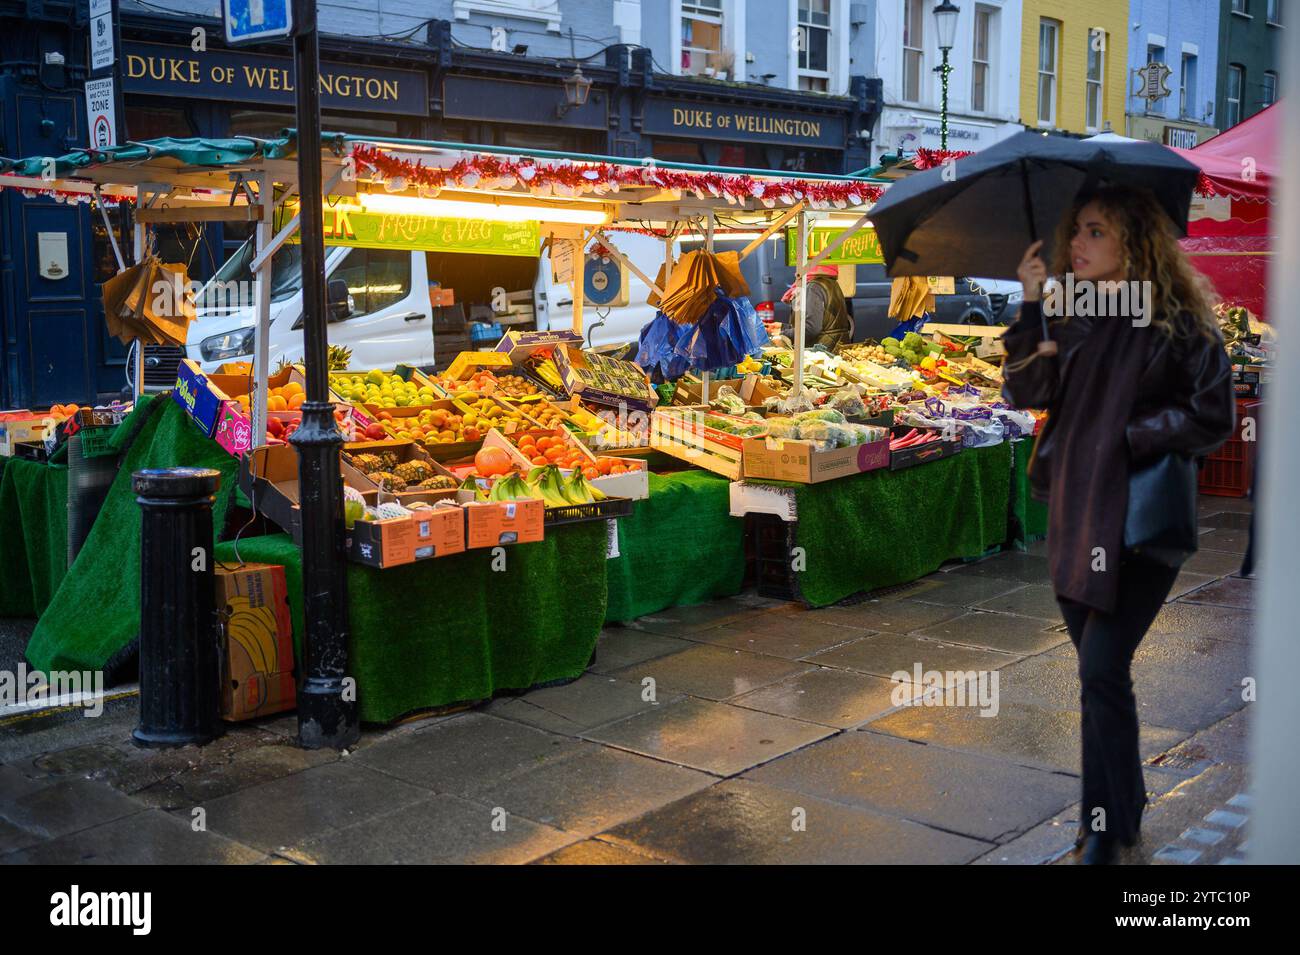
(178, 79)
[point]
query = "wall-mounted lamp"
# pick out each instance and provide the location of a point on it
(576, 88)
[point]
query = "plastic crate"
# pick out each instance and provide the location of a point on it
(1228, 471)
(97, 442)
(610, 507)
(771, 543)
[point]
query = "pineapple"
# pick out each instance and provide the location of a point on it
(438, 482)
(367, 463)
(412, 472)
(388, 480)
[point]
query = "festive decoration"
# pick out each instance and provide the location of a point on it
(576, 178)
(929, 158)
(67, 195)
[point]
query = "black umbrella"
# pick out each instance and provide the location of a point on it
(978, 217)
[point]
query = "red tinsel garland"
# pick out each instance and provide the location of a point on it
(929, 158)
(66, 194)
(571, 179)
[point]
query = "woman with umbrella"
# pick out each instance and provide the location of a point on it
(1131, 399)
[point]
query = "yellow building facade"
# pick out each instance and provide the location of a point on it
(1074, 65)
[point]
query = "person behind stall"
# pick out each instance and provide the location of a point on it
(826, 315)
(1122, 392)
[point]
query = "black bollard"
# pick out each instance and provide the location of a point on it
(180, 632)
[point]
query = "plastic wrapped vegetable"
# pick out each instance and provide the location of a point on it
(848, 401)
(728, 400)
(829, 415)
(783, 428)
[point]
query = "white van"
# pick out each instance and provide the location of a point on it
(379, 303)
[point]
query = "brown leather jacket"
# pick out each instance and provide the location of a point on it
(1185, 401)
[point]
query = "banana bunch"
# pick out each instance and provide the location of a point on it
(548, 482)
(579, 491)
(512, 487)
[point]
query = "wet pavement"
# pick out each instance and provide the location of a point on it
(745, 730)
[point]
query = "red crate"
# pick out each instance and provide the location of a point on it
(1228, 471)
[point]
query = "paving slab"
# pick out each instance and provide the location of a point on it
(619, 647)
(596, 852)
(832, 697)
(435, 830)
(998, 631)
(1221, 623)
(709, 672)
(588, 701)
(307, 804)
(1030, 600)
(1232, 540)
(714, 737)
(1187, 583)
(1214, 563)
(962, 590)
(1238, 592)
(1026, 568)
(789, 636)
(1023, 733)
(49, 808)
(465, 753)
(885, 616)
(151, 837)
(988, 799)
(206, 780)
(742, 822)
(885, 654)
(683, 621)
(1046, 842)
(593, 789)
(1235, 520)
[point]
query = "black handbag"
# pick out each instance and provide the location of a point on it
(1160, 523)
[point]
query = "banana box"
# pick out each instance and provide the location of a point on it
(257, 641)
(493, 523)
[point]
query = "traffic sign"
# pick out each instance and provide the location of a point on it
(249, 21)
(100, 113)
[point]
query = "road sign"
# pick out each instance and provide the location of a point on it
(248, 21)
(101, 41)
(101, 117)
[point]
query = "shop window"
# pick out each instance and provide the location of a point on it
(377, 278)
(1048, 33)
(981, 64)
(1236, 83)
(152, 122)
(1270, 88)
(1096, 70)
(1187, 87)
(701, 36)
(814, 39)
(913, 49)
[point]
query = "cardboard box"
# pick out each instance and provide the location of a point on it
(405, 451)
(604, 380)
(18, 430)
(492, 524)
(257, 641)
(754, 390)
(783, 459)
(233, 432)
(930, 451)
(202, 395)
(440, 297)
(467, 363)
(439, 531)
(268, 475)
(519, 345)
(382, 544)
(683, 434)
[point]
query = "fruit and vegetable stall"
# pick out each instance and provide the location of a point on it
(506, 503)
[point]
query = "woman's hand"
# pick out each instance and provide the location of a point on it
(1032, 272)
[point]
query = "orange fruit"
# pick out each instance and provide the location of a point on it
(296, 400)
(292, 388)
(276, 403)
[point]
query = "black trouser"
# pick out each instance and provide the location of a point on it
(1106, 642)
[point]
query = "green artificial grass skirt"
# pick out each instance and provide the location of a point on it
(95, 614)
(886, 527)
(1028, 517)
(33, 535)
(680, 546)
(453, 629)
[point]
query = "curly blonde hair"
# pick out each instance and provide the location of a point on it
(1151, 253)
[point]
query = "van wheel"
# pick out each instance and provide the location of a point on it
(976, 317)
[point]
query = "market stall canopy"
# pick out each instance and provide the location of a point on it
(978, 214)
(1242, 161)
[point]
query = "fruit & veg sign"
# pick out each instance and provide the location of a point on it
(353, 226)
(861, 248)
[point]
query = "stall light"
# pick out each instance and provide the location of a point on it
(490, 211)
(728, 236)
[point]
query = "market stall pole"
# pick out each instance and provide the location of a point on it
(327, 710)
(800, 298)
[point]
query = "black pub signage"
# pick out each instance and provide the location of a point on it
(754, 124)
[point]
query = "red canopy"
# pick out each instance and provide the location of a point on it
(1229, 236)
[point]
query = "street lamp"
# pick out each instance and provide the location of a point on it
(945, 23)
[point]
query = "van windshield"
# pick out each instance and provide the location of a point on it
(232, 286)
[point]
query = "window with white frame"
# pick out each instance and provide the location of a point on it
(1270, 88)
(1096, 67)
(1187, 87)
(1049, 32)
(701, 35)
(980, 60)
(814, 44)
(913, 49)
(1236, 83)
(1274, 12)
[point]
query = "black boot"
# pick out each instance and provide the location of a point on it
(1098, 849)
